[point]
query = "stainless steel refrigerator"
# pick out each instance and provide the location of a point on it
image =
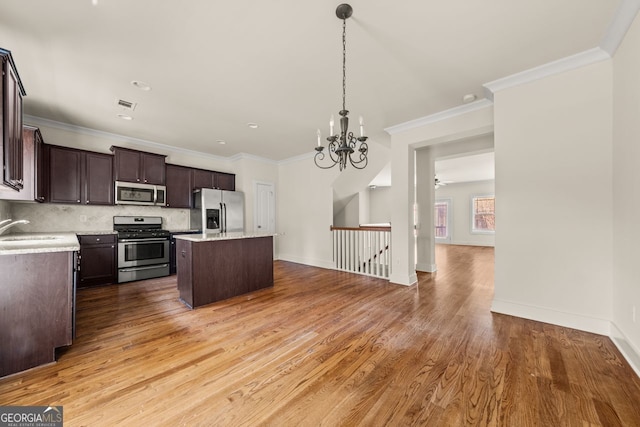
(217, 211)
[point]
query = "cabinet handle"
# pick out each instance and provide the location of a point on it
(98, 239)
(87, 202)
(184, 254)
(78, 201)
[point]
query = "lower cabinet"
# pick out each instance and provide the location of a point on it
(36, 308)
(217, 269)
(98, 260)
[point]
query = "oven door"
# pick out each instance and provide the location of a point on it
(137, 252)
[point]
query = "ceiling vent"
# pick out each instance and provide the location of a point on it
(127, 105)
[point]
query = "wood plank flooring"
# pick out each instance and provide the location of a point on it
(329, 348)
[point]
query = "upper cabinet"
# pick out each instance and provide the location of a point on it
(11, 93)
(138, 166)
(210, 179)
(80, 177)
(179, 186)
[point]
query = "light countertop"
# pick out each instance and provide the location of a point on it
(221, 236)
(31, 243)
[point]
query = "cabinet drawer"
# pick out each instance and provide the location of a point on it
(97, 239)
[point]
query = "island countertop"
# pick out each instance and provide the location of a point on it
(209, 237)
(32, 243)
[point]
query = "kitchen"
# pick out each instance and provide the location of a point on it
(107, 200)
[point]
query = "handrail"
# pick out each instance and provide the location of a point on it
(362, 228)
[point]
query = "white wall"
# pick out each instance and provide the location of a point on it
(349, 216)
(380, 205)
(460, 195)
(626, 193)
(305, 213)
(553, 151)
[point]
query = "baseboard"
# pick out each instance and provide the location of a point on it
(403, 280)
(546, 315)
(426, 268)
(628, 350)
(458, 243)
(307, 261)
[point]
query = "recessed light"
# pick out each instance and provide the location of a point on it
(125, 117)
(141, 85)
(252, 125)
(221, 142)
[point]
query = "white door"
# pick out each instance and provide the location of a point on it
(265, 208)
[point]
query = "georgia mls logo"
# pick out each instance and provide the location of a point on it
(30, 416)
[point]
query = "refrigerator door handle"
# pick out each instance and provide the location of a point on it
(225, 217)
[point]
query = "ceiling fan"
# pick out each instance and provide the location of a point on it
(439, 183)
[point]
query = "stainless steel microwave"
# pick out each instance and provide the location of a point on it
(130, 193)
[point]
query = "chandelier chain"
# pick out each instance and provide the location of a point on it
(344, 63)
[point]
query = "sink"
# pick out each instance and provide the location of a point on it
(29, 238)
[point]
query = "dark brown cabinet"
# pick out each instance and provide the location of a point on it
(138, 166)
(31, 141)
(40, 164)
(36, 308)
(80, 177)
(179, 186)
(97, 259)
(11, 152)
(210, 179)
(213, 270)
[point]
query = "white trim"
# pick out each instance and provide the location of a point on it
(426, 268)
(307, 261)
(617, 30)
(630, 353)
(562, 65)
(409, 280)
(293, 159)
(247, 156)
(117, 137)
(442, 115)
(546, 315)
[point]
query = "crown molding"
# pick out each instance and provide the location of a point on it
(442, 115)
(247, 156)
(137, 141)
(617, 30)
(298, 158)
(556, 67)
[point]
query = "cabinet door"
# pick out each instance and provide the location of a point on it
(127, 165)
(98, 179)
(64, 175)
(178, 186)
(12, 129)
(225, 181)
(203, 179)
(41, 166)
(153, 168)
(97, 260)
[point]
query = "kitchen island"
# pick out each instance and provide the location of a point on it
(213, 267)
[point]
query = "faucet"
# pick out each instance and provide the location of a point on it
(10, 224)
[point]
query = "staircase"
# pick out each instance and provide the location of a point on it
(362, 250)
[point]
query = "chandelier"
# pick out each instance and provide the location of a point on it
(343, 145)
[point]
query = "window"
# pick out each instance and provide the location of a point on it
(483, 216)
(441, 219)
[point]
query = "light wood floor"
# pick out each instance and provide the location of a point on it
(330, 348)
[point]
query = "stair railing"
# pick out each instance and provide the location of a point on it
(363, 250)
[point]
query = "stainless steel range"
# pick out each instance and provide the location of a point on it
(143, 247)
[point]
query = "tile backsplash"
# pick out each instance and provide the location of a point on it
(52, 217)
(5, 210)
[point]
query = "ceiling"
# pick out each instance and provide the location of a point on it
(216, 66)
